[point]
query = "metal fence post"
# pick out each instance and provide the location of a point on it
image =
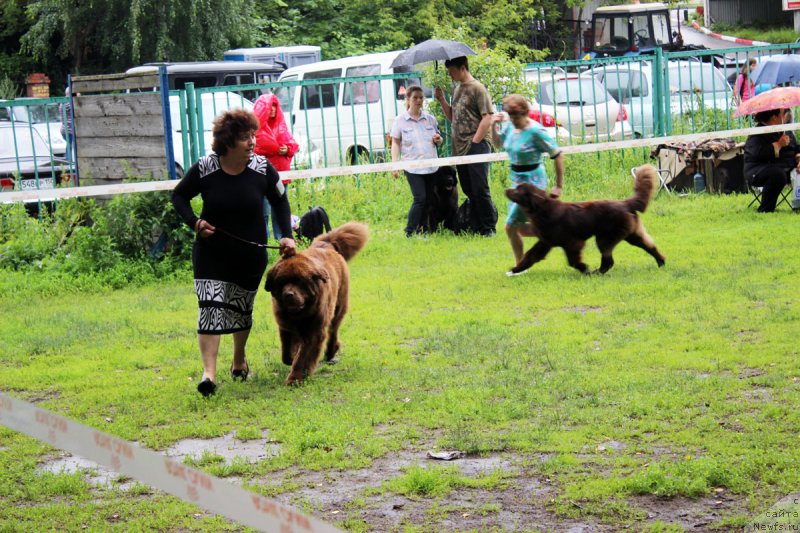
(660, 111)
(191, 110)
(167, 118)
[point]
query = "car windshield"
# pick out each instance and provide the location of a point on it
(37, 114)
(696, 77)
(286, 94)
(624, 85)
(578, 91)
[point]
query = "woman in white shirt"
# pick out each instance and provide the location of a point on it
(415, 135)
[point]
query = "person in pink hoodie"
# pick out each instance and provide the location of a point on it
(274, 141)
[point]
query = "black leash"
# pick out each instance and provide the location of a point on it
(232, 236)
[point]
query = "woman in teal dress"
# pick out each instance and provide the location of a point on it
(526, 141)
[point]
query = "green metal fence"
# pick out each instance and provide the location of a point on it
(33, 153)
(347, 120)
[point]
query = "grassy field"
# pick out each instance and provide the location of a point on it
(651, 399)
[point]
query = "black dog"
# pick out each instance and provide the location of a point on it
(443, 203)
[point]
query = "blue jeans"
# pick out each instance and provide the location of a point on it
(275, 229)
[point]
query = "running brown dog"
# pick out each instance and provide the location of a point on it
(310, 296)
(569, 224)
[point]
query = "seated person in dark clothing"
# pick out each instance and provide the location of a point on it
(769, 157)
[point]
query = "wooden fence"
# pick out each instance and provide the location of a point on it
(122, 134)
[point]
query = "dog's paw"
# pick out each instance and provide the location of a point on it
(511, 272)
(294, 380)
(332, 350)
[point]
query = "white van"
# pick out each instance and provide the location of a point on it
(213, 105)
(337, 123)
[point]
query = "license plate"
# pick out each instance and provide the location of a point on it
(31, 185)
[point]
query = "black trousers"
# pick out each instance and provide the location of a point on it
(474, 180)
(421, 192)
(772, 180)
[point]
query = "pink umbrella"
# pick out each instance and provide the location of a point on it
(778, 98)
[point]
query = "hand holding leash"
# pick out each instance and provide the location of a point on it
(203, 229)
(288, 247)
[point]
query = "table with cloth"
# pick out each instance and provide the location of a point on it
(720, 161)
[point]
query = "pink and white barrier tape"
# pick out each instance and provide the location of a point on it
(214, 494)
(728, 38)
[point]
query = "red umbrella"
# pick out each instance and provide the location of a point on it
(778, 98)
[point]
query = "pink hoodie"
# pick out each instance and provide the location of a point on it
(273, 133)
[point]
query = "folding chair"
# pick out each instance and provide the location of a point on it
(664, 177)
(783, 197)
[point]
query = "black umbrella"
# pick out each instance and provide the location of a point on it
(432, 50)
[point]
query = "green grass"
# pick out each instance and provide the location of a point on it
(758, 32)
(669, 382)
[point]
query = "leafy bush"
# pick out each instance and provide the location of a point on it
(128, 238)
(8, 89)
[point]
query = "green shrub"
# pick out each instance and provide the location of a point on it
(131, 237)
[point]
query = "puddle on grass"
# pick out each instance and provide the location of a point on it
(95, 474)
(228, 447)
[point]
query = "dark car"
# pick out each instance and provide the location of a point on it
(26, 162)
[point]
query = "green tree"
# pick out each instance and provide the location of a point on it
(13, 65)
(343, 28)
(112, 35)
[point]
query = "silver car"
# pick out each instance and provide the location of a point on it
(583, 106)
(692, 85)
(44, 119)
(26, 162)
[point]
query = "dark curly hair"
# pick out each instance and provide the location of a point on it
(763, 117)
(230, 126)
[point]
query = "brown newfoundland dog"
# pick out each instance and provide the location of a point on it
(310, 297)
(569, 224)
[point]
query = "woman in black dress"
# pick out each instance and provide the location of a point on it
(227, 261)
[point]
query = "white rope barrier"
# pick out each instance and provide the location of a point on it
(191, 485)
(293, 175)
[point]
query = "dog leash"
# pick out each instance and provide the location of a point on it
(232, 236)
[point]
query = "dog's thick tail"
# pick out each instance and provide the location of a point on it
(646, 182)
(348, 239)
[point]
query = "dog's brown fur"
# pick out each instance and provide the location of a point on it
(310, 296)
(569, 224)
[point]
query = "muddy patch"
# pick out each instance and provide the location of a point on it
(525, 501)
(693, 515)
(758, 394)
(582, 309)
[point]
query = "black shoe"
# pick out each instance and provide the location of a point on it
(206, 387)
(240, 373)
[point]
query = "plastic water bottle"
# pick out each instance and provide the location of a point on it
(699, 182)
(795, 176)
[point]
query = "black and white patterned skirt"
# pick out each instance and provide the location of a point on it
(226, 280)
(225, 307)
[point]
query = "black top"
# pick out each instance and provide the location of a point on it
(759, 153)
(234, 203)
